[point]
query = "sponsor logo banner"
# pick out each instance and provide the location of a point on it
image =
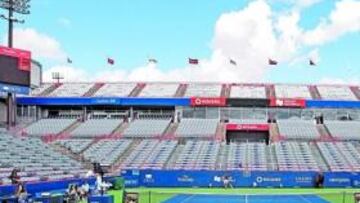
(208, 101)
(300, 103)
(14, 89)
(248, 127)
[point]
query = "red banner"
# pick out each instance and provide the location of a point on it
(247, 127)
(24, 57)
(288, 102)
(208, 101)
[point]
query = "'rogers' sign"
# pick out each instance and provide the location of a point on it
(211, 101)
(248, 127)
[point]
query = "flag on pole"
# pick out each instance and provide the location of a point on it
(110, 61)
(233, 62)
(193, 61)
(69, 60)
(312, 63)
(272, 62)
(152, 60)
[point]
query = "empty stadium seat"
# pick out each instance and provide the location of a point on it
(334, 157)
(336, 93)
(106, 152)
(115, 90)
(149, 154)
(248, 91)
(197, 127)
(203, 90)
(71, 90)
(298, 129)
(246, 156)
(49, 126)
(146, 128)
(295, 156)
(292, 91)
(344, 130)
(159, 90)
(41, 89)
(75, 145)
(198, 155)
(96, 127)
(36, 160)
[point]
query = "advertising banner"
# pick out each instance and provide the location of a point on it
(297, 103)
(247, 127)
(208, 101)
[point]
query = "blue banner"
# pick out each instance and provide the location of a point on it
(332, 104)
(203, 178)
(93, 101)
(185, 178)
(14, 89)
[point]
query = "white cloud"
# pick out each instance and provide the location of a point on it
(314, 55)
(70, 74)
(41, 45)
(343, 19)
(249, 36)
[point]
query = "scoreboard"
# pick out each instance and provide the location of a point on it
(15, 69)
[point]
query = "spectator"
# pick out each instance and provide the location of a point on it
(72, 194)
(227, 182)
(14, 177)
(99, 184)
(84, 191)
(21, 193)
(319, 180)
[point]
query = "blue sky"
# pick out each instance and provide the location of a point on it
(171, 31)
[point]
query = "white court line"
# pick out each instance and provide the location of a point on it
(187, 199)
(246, 198)
(306, 200)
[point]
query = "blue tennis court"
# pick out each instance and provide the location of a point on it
(197, 198)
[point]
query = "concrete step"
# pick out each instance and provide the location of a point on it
(221, 158)
(119, 130)
(174, 156)
(93, 89)
(136, 91)
(324, 132)
(324, 166)
(50, 89)
(122, 157)
(169, 132)
(274, 132)
(181, 90)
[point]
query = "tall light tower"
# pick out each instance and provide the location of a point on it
(14, 6)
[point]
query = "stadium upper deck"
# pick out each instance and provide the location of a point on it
(194, 94)
(169, 90)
